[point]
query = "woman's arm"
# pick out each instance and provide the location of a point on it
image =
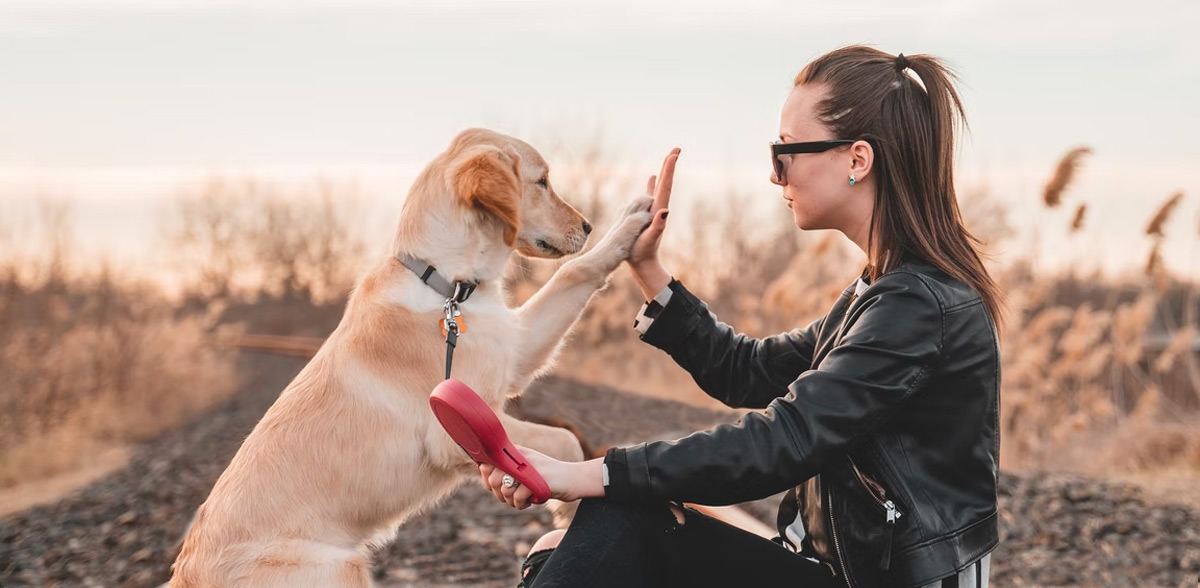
(740, 371)
(887, 353)
(735, 369)
(652, 277)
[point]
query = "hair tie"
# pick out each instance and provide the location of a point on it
(901, 62)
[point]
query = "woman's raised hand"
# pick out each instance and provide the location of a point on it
(643, 258)
(645, 249)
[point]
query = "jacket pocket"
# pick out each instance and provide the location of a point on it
(887, 512)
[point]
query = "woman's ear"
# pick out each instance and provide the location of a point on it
(486, 178)
(862, 160)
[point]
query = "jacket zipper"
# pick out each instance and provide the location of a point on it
(837, 545)
(890, 511)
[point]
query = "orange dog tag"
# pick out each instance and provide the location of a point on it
(462, 325)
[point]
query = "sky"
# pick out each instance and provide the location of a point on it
(118, 103)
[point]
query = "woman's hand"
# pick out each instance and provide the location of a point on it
(568, 481)
(643, 258)
(645, 249)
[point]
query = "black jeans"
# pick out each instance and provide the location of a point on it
(640, 546)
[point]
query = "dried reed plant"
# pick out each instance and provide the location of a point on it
(1077, 220)
(1064, 174)
(1155, 227)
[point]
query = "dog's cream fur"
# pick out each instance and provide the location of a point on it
(351, 449)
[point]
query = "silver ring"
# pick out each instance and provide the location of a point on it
(509, 481)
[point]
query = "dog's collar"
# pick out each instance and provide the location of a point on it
(458, 290)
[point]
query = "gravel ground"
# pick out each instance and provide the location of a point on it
(124, 529)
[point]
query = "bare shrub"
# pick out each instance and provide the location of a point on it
(249, 237)
(91, 360)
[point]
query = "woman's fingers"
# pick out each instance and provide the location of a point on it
(522, 498)
(485, 470)
(496, 483)
(666, 180)
(645, 248)
(659, 222)
(518, 496)
(509, 492)
(662, 195)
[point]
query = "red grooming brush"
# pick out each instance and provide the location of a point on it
(474, 426)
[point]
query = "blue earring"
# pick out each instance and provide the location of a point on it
(851, 178)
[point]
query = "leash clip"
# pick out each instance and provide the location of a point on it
(450, 330)
(462, 291)
(453, 322)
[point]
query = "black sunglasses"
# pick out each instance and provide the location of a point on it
(778, 149)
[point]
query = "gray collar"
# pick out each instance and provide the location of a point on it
(457, 291)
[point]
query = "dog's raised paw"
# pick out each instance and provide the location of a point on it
(637, 204)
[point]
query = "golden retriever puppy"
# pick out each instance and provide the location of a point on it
(351, 448)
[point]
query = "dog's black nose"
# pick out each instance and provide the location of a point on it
(587, 228)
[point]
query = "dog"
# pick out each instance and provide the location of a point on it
(351, 449)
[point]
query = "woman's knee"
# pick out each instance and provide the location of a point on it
(677, 510)
(548, 541)
(593, 511)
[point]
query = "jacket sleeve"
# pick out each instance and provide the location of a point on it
(892, 343)
(740, 371)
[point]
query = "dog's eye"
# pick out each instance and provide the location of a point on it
(543, 182)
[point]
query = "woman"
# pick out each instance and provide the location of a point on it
(881, 418)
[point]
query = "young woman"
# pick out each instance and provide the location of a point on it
(881, 418)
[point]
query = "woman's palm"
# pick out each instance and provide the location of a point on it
(645, 249)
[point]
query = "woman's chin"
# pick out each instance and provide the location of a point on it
(807, 224)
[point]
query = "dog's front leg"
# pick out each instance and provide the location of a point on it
(547, 316)
(556, 442)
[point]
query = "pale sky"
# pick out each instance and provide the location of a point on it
(115, 101)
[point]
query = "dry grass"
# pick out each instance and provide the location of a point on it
(92, 362)
(1099, 374)
(1077, 221)
(1160, 218)
(244, 238)
(1064, 173)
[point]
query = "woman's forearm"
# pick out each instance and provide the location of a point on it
(589, 478)
(651, 278)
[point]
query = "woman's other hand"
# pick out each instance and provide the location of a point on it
(568, 481)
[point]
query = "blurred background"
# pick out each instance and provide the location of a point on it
(189, 190)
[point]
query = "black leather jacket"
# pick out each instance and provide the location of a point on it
(892, 399)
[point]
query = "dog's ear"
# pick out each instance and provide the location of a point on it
(488, 178)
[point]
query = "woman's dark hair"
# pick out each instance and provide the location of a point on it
(910, 124)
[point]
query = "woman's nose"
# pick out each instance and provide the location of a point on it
(776, 180)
